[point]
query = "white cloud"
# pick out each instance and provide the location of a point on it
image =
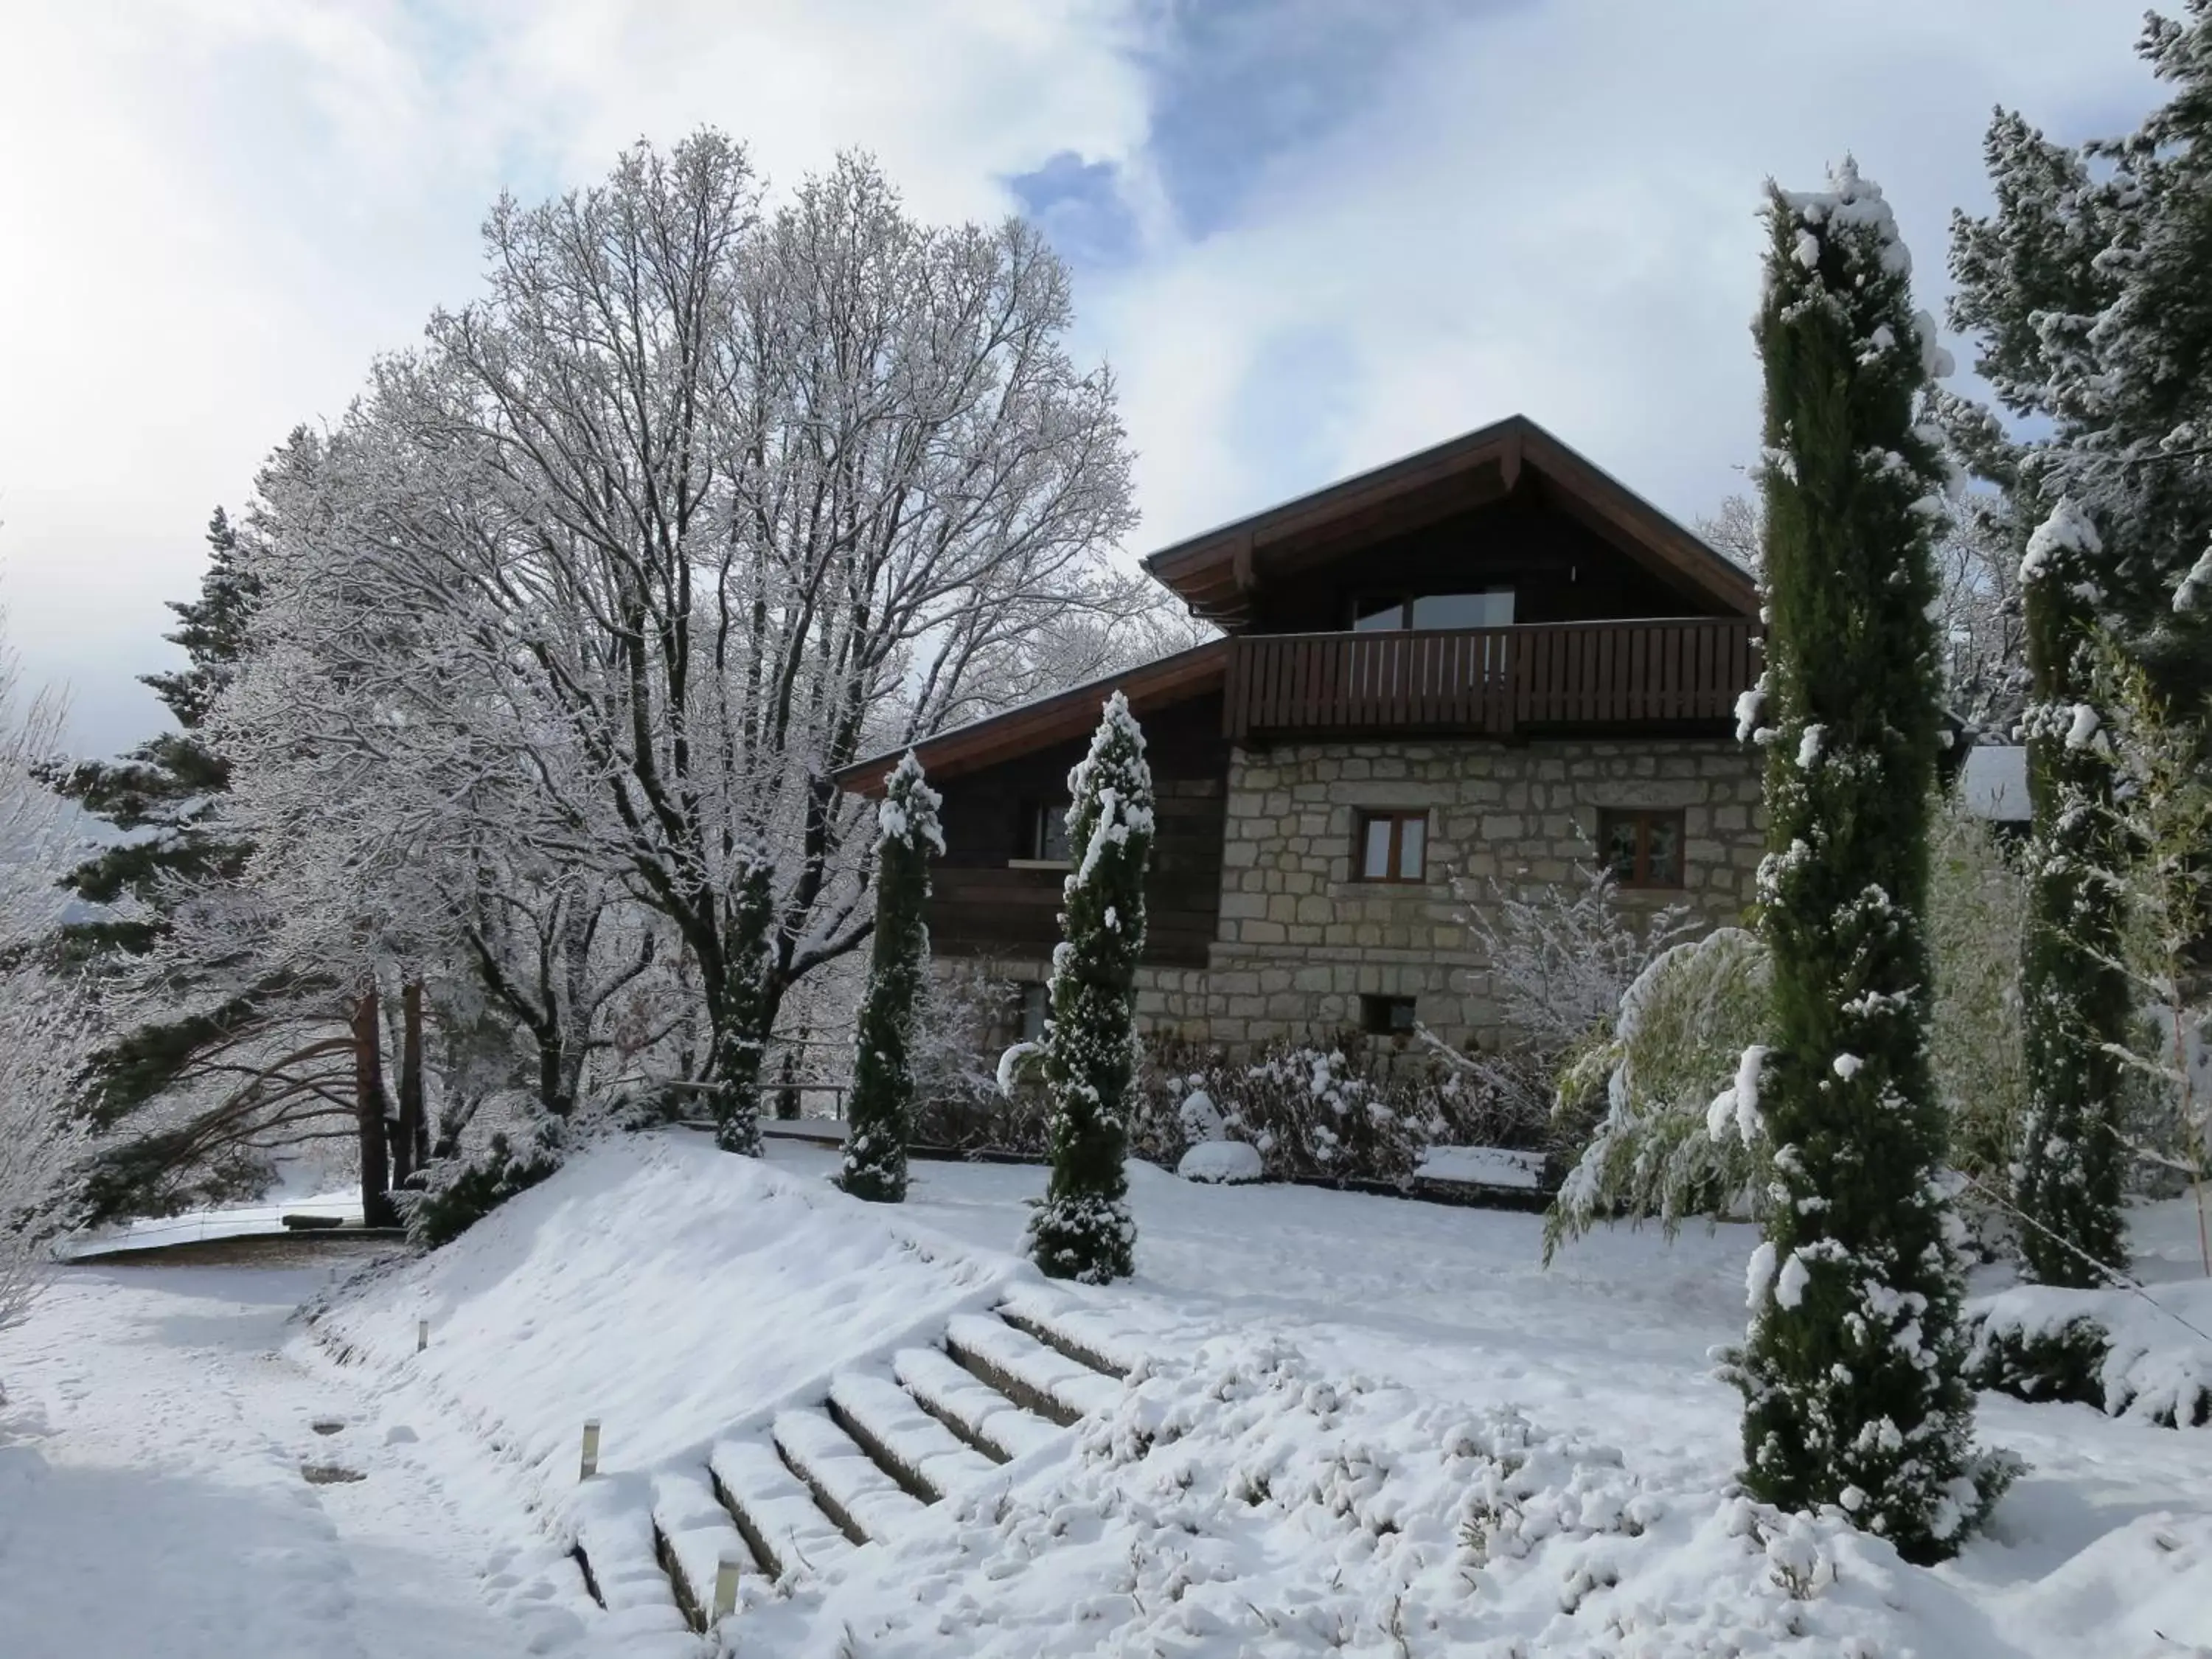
(1552, 209)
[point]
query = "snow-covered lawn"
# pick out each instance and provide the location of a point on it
(1356, 1426)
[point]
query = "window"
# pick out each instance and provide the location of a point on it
(1034, 1007)
(1387, 1016)
(1045, 833)
(1641, 848)
(1491, 607)
(1393, 845)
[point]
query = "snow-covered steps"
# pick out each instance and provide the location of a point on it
(621, 1556)
(970, 1407)
(906, 1442)
(774, 1512)
(694, 1532)
(1026, 1371)
(848, 1486)
(1075, 1334)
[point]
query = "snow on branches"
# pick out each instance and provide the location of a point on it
(1082, 1228)
(881, 1119)
(1851, 1382)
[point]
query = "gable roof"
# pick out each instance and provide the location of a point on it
(1215, 573)
(1056, 718)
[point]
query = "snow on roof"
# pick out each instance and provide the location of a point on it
(1994, 783)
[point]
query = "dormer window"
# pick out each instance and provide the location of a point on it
(1489, 607)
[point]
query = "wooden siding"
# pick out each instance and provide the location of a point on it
(1560, 570)
(1491, 682)
(980, 907)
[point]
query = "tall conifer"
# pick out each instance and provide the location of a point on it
(2067, 1168)
(1082, 1228)
(1850, 1370)
(880, 1119)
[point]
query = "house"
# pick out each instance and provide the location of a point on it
(1487, 660)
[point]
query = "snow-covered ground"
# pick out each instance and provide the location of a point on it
(1356, 1426)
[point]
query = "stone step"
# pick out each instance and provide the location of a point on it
(696, 1531)
(1026, 1371)
(1081, 1336)
(906, 1442)
(617, 1542)
(969, 1407)
(865, 1503)
(774, 1512)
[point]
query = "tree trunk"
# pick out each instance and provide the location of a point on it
(376, 1207)
(414, 1142)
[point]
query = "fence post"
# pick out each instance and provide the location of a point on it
(422, 1334)
(725, 1587)
(591, 1448)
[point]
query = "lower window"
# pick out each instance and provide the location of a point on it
(1642, 848)
(1387, 1016)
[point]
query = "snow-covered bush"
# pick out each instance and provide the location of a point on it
(1560, 956)
(1677, 1044)
(2123, 1351)
(1346, 1112)
(456, 1192)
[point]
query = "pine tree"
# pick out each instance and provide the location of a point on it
(1850, 1369)
(880, 1119)
(2076, 1002)
(164, 793)
(1082, 1228)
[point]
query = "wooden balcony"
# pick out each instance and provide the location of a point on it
(1492, 682)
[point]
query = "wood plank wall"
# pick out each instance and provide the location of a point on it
(979, 907)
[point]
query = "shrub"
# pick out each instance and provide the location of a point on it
(1348, 1111)
(1660, 1148)
(453, 1193)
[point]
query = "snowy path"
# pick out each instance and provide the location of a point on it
(152, 1499)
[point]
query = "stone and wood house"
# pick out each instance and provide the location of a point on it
(1488, 661)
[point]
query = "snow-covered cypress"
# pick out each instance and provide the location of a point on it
(1082, 1230)
(2074, 998)
(1850, 1368)
(742, 1013)
(881, 1119)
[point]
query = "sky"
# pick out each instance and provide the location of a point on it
(1308, 235)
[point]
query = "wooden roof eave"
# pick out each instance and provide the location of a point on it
(1049, 721)
(1214, 573)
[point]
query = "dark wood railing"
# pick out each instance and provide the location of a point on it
(1490, 681)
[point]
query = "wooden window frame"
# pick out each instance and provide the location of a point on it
(1033, 838)
(1638, 877)
(1397, 817)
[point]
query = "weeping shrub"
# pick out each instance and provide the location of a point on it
(1659, 1149)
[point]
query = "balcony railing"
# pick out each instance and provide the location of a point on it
(1491, 682)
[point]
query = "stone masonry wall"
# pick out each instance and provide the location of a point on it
(1301, 941)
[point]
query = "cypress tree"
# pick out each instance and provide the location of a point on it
(881, 1119)
(1850, 1368)
(2074, 998)
(742, 1010)
(1082, 1228)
